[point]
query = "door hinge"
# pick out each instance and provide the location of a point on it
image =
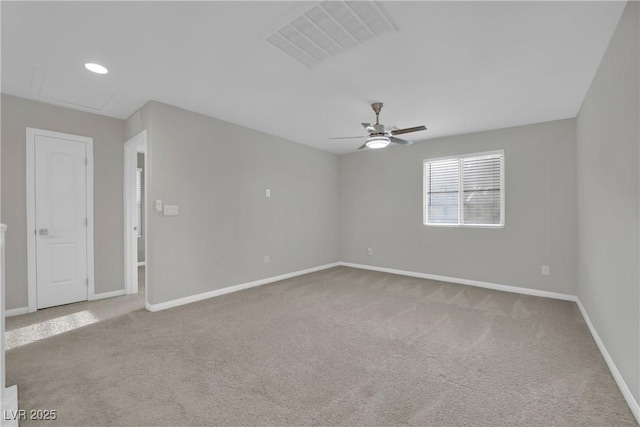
(86, 221)
(86, 161)
(87, 281)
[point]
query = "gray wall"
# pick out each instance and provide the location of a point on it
(217, 173)
(608, 199)
(381, 207)
(140, 162)
(108, 136)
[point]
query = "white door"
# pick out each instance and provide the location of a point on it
(61, 220)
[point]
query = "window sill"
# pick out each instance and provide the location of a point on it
(465, 225)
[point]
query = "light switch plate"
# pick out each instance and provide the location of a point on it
(170, 210)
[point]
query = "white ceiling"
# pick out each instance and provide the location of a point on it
(457, 67)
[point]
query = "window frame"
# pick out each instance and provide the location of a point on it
(479, 155)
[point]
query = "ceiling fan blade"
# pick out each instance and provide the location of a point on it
(408, 130)
(362, 146)
(400, 141)
(348, 137)
(370, 128)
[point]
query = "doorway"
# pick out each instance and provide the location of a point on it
(135, 191)
(60, 218)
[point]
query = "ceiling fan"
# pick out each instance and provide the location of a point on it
(379, 135)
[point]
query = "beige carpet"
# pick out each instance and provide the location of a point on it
(338, 347)
(21, 330)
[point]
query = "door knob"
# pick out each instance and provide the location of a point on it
(43, 232)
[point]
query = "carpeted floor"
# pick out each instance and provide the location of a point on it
(21, 330)
(337, 347)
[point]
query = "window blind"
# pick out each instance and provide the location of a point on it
(443, 187)
(481, 178)
(465, 190)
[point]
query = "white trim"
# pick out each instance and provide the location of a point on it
(146, 219)
(32, 290)
(90, 261)
(487, 285)
(466, 225)
(16, 311)
(142, 264)
(631, 401)
(3, 382)
(139, 173)
(130, 237)
(478, 155)
(234, 288)
(111, 294)
(9, 406)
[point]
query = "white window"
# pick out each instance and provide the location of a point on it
(139, 202)
(465, 190)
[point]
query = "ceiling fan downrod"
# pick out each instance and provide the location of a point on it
(377, 106)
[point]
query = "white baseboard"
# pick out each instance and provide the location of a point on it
(494, 286)
(9, 407)
(235, 288)
(111, 294)
(626, 392)
(16, 311)
(143, 263)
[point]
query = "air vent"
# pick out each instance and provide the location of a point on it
(332, 28)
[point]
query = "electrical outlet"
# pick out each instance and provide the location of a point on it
(370, 251)
(267, 259)
(267, 193)
(545, 270)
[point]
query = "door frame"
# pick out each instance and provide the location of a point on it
(32, 284)
(130, 239)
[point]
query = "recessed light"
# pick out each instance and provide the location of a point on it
(96, 68)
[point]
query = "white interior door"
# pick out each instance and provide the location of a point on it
(61, 220)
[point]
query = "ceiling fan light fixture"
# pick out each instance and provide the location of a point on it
(96, 68)
(377, 142)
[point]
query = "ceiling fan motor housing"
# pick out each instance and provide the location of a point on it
(379, 129)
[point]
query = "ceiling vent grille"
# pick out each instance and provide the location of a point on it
(331, 28)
